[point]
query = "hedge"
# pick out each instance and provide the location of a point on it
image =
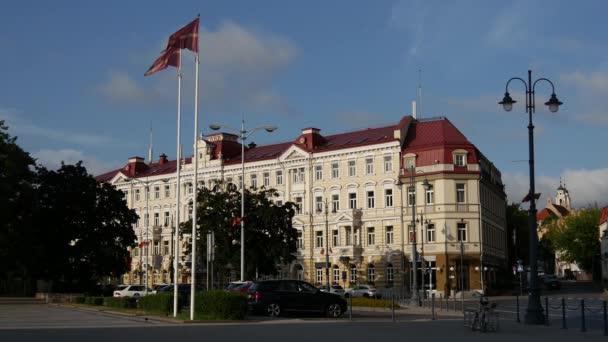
(159, 303)
(93, 301)
(120, 302)
(79, 299)
(370, 302)
(221, 305)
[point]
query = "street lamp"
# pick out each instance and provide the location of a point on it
(243, 135)
(413, 236)
(426, 186)
(333, 211)
(534, 312)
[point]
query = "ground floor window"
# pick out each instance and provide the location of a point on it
(353, 274)
(371, 273)
(319, 275)
(336, 275)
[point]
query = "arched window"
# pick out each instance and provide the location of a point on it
(371, 273)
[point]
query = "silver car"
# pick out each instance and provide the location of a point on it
(131, 291)
(337, 289)
(366, 291)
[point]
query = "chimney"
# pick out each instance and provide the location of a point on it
(163, 159)
(135, 165)
(414, 109)
(310, 138)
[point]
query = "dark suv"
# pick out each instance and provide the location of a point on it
(275, 297)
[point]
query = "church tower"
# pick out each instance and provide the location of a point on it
(563, 197)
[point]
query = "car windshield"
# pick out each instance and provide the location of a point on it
(307, 287)
(336, 287)
(120, 288)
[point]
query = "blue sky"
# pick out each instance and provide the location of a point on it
(73, 86)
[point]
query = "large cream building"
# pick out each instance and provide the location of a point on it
(365, 176)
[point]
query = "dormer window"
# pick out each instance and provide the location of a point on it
(410, 163)
(460, 158)
(459, 161)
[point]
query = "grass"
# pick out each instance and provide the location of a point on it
(371, 303)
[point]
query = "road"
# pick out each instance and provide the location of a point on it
(47, 323)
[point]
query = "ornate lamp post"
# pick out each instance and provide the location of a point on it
(327, 243)
(243, 135)
(534, 312)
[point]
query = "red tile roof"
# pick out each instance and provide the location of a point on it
(562, 210)
(604, 216)
(544, 214)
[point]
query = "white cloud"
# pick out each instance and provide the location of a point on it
(119, 88)
(592, 90)
(51, 159)
(410, 17)
(586, 187)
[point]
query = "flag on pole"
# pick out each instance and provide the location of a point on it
(186, 37)
(169, 57)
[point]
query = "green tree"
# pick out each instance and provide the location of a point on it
(16, 199)
(269, 235)
(517, 225)
(576, 237)
(84, 228)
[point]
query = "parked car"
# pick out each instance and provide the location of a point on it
(366, 291)
(181, 289)
(234, 284)
(551, 282)
(276, 297)
(337, 289)
(243, 288)
(131, 291)
(157, 287)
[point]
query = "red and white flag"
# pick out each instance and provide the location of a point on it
(169, 57)
(186, 37)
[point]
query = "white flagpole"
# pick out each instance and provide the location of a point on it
(194, 205)
(179, 128)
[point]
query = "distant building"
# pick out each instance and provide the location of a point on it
(603, 235)
(366, 177)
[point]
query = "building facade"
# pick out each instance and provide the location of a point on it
(372, 179)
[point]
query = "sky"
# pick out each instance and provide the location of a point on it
(72, 85)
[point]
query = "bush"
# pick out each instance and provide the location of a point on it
(93, 301)
(79, 300)
(372, 303)
(221, 305)
(159, 303)
(120, 302)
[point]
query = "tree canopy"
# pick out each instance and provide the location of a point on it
(576, 237)
(269, 235)
(58, 225)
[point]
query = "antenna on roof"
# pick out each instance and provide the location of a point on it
(419, 102)
(150, 149)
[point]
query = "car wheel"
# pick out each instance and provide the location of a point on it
(136, 295)
(273, 310)
(334, 310)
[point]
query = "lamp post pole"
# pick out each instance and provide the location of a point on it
(413, 237)
(243, 135)
(534, 312)
(327, 246)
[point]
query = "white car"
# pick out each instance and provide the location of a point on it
(131, 291)
(362, 291)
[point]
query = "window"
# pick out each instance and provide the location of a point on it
(279, 175)
(319, 275)
(352, 168)
(335, 238)
(319, 239)
(410, 163)
(166, 219)
(254, 181)
(137, 194)
(348, 236)
(388, 198)
(388, 164)
(298, 175)
(411, 195)
(389, 272)
(318, 172)
(389, 235)
(166, 247)
(146, 219)
(353, 273)
(299, 205)
(371, 273)
(336, 275)
(430, 233)
(156, 219)
(300, 240)
(156, 250)
(371, 236)
(369, 166)
(430, 195)
(126, 192)
(266, 176)
(352, 200)
(335, 202)
(370, 200)
(459, 160)
(462, 231)
(319, 204)
(156, 192)
(412, 233)
(460, 194)
(335, 171)
(189, 188)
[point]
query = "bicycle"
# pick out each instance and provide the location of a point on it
(484, 315)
